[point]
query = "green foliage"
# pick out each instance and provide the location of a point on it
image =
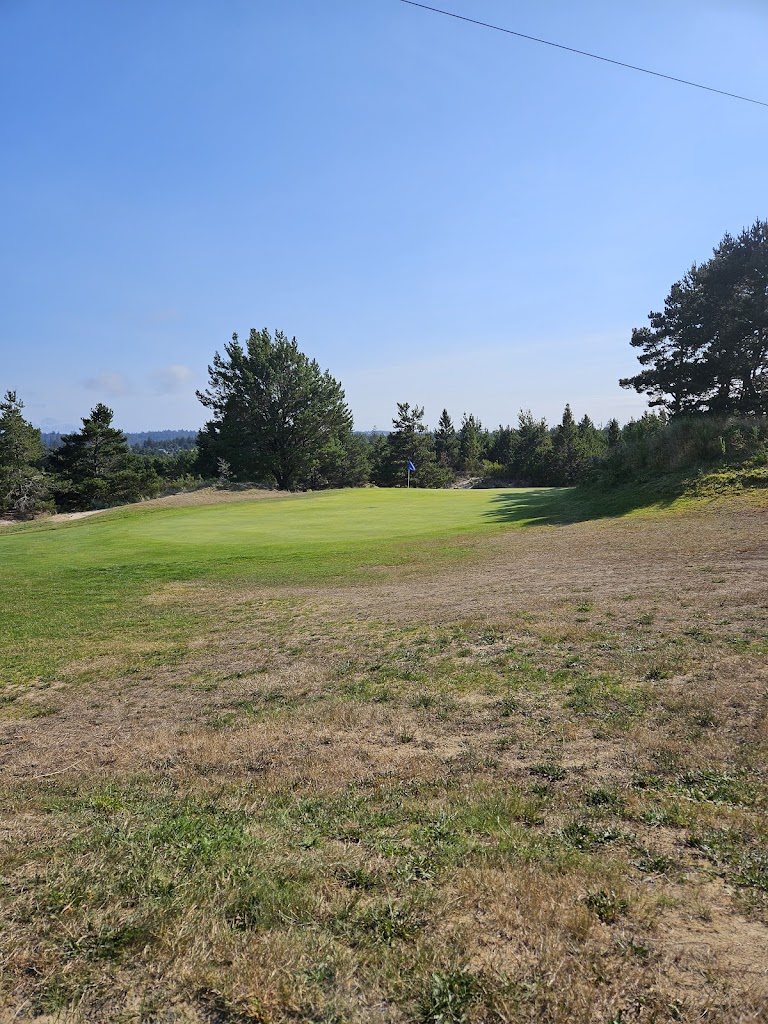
(574, 447)
(470, 444)
(344, 462)
(96, 468)
(277, 417)
(447, 445)
(552, 772)
(23, 487)
(448, 998)
(174, 464)
(581, 835)
(720, 787)
(410, 441)
(708, 350)
(654, 446)
(743, 856)
(531, 461)
(606, 905)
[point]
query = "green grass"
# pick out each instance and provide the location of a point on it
(69, 589)
(324, 809)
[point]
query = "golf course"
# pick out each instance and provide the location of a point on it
(386, 755)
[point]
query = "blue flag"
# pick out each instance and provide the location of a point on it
(411, 466)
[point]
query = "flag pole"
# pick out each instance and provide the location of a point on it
(409, 476)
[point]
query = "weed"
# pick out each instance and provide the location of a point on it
(604, 797)
(717, 786)
(582, 836)
(504, 743)
(549, 771)
(448, 998)
(507, 706)
(658, 671)
(608, 699)
(541, 790)
(744, 858)
(383, 922)
(651, 863)
(606, 905)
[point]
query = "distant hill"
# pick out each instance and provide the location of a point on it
(155, 438)
(52, 439)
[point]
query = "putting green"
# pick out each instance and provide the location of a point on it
(316, 526)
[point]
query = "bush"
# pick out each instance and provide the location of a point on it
(653, 446)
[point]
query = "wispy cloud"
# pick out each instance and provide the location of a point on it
(169, 380)
(109, 382)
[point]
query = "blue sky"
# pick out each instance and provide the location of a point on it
(441, 214)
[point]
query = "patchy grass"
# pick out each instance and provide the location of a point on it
(489, 774)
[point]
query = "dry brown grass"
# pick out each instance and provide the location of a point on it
(536, 783)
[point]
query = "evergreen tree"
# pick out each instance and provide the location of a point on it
(97, 468)
(708, 350)
(502, 444)
(447, 446)
(613, 433)
(532, 462)
(470, 440)
(23, 487)
(378, 456)
(344, 462)
(567, 451)
(275, 412)
(411, 441)
(593, 441)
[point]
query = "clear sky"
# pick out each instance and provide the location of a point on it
(441, 214)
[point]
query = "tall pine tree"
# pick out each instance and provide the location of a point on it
(275, 412)
(708, 350)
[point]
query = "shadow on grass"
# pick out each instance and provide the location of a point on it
(554, 506)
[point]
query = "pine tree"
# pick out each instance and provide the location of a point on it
(447, 446)
(275, 411)
(708, 350)
(23, 487)
(532, 462)
(567, 450)
(501, 446)
(470, 439)
(411, 441)
(613, 433)
(98, 469)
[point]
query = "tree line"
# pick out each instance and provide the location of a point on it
(279, 420)
(95, 467)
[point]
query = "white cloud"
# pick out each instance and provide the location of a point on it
(172, 379)
(111, 383)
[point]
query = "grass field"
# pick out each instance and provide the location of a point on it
(385, 756)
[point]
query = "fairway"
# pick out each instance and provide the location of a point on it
(442, 757)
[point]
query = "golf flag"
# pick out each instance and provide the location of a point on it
(411, 467)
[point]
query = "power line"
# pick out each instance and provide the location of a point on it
(584, 53)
